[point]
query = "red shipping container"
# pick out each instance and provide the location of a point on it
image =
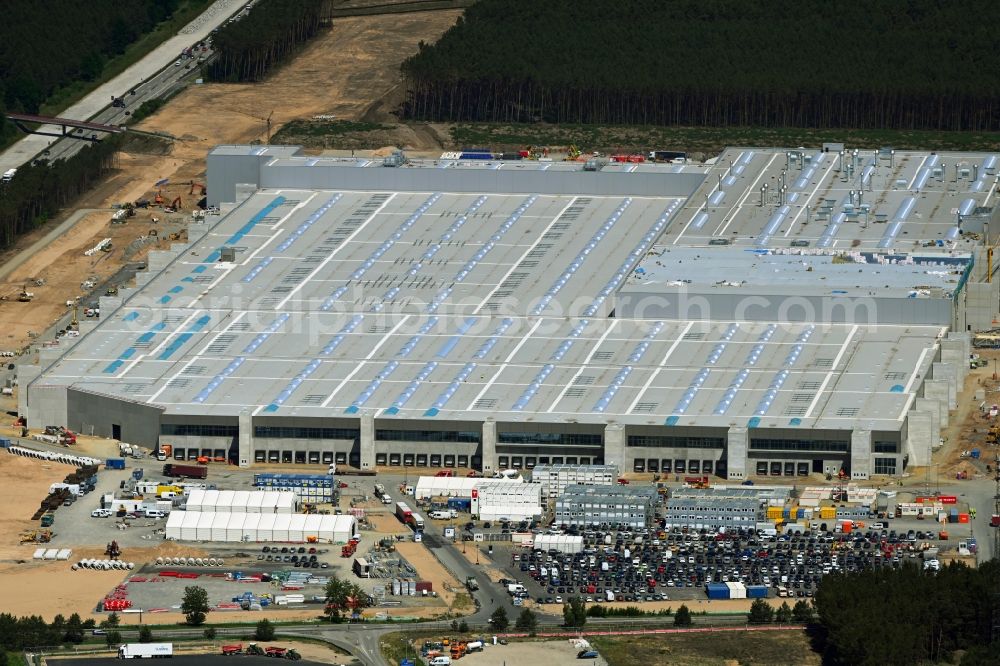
(422, 585)
(948, 499)
(963, 517)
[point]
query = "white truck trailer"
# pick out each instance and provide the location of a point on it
(145, 650)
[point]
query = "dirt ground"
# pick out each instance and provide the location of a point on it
(342, 73)
(345, 72)
(430, 569)
(551, 653)
(324, 654)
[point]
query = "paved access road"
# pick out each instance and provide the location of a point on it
(162, 57)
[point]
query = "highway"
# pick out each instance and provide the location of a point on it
(151, 76)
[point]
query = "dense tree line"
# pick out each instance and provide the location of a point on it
(49, 45)
(20, 633)
(918, 64)
(904, 616)
(267, 36)
(40, 189)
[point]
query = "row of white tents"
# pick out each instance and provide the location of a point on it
(242, 501)
(564, 543)
(259, 527)
(453, 486)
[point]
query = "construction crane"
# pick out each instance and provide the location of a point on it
(266, 122)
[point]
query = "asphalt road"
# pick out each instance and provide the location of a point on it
(149, 69)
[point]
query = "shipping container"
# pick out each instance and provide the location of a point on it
(717, 591)
(756, 592)
(115, 463)
(963, 517)
(190, 471)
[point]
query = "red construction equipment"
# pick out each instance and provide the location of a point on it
(349, 549)
(276, 652)
(176, 204)
(232, 649)
(199, 186)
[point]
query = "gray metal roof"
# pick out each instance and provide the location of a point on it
(441, 306)
(791, 271)
(919, 190)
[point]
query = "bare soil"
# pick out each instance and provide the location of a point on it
(345, 72)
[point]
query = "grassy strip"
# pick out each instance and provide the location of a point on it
(694, 649)
(708, 140)
(68, 95)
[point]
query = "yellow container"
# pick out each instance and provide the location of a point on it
(774, 512)
(828, 513)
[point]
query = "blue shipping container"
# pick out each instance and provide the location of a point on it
(460, 503)
(115, 463)
(4, 443)
(717, 591)
(756, 592)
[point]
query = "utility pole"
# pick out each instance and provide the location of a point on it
(995, 629)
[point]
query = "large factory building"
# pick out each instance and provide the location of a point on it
(778, 312)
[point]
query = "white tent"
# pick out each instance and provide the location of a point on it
(258, 527)
(285, 502)
(564, 543)
(452, 486)
(204, 529)
(296, 527)
(250, 530)
(174, 522)
(223, 502)
(340, 530)
(255, 502)
(280, 530)
(220, 526)
(265, 528)
(189, 528)
(234, 527)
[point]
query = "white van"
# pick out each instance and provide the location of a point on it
(155, 513)
(440, 660)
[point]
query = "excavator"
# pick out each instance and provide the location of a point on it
(572, 154)
(174, 206)
(158, 199)
(199, 186)
(25, 296)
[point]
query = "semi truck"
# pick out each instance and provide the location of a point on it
(190, 471)
(145, 650)
(403, 512)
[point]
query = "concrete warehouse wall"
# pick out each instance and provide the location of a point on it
(93, 414)
(716, 303)
(227, 170)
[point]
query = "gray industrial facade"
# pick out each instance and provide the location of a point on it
(664, 318)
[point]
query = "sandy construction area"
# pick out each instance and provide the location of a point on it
(341, 73)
